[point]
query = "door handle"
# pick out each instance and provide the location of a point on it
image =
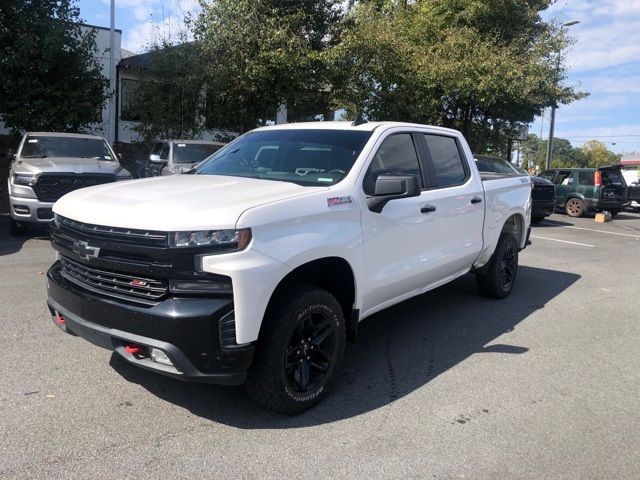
(475, 200)
(428, 209)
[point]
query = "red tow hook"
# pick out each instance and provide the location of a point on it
(134, 348)
(60, 320)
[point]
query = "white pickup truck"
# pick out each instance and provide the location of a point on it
(256, 266)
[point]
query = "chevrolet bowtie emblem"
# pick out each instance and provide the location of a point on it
(85, 251)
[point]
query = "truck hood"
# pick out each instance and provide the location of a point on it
(65, 165)
(174, 203)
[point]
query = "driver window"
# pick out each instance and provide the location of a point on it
(164, 154)
(396, 156)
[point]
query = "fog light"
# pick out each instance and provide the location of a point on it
(159, 356)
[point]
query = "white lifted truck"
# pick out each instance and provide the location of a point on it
(256, 266)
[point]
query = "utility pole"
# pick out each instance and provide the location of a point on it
(111, 134)
(554, 103)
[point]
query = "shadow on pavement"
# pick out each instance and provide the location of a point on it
(548, 223)
(398, 351)
(9, 244)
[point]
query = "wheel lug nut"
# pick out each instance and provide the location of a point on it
(308, 358)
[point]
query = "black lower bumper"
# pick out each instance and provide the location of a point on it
(606, 204)
(185, 329)
(542, 209)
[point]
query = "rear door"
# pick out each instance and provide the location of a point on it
(614, 186)
(564, 185)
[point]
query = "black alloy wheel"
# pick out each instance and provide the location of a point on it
(508, 266)
(310, 352)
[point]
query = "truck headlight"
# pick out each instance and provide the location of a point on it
(225, 240)
(24, 179)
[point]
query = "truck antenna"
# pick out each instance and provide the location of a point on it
(360, 119)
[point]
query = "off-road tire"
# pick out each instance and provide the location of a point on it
(490, 280)
(574, 207)
(267, 381)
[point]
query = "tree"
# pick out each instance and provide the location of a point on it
(169, 95)
(50, 77)
(259, 54)
(598, 155)
(483, 67)
(534, 153)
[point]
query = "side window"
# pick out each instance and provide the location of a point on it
(447, 162)
(397, 155)
(564, 178)
(164, 154)
(586, 179)
(547, 175)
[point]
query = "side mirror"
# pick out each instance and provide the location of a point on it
(392, 187)
(155, 158)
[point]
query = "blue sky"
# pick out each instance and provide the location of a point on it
(605, 60)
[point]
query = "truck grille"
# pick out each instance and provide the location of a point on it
(543, 192)
(113, 284)
(83, 231)
(50, 188)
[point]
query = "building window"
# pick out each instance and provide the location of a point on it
(128, 100)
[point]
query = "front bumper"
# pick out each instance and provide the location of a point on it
(186, 329)
(30, 210)
(542, 208)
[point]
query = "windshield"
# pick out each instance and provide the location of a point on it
(193, 152)
(73, 147)
(306, 157)
(494, 166)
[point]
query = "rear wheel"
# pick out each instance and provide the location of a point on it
(574, 207)
(299, 352)
(497, 280)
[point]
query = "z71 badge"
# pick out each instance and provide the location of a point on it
(334, 201)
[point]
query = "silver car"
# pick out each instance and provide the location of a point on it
(170, 157)
(49, 165)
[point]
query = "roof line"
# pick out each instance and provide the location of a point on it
(96, 26)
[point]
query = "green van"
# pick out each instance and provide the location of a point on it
(582, 190)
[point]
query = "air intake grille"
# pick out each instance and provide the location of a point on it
(85, 231)
(543, 192)
(50, 188)
(113, 284)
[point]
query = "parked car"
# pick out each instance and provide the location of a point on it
(256, 267)
(170, 157)
(632, 178)
(582, 190)
(542, 193)
(48, 165)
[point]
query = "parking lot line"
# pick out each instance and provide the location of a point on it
(604, 231)
(563, 241)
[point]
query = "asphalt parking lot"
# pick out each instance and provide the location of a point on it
(544, 384)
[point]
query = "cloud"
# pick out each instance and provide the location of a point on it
(608, 35)
(151, 21)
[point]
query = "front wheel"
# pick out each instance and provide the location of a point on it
(498, 278)
(299, 352)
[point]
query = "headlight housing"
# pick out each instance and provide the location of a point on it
(223, 240)
(24, 179)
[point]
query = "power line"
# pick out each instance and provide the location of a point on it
(604, 136)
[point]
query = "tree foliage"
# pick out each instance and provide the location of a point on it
(259, 54)
(50, 78)
(592, 154)
(483, 67)
(169, 95)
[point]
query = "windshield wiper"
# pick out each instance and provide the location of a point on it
(35, 156)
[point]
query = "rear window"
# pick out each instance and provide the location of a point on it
(612, 178)
(69, 147)
(494, 166)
